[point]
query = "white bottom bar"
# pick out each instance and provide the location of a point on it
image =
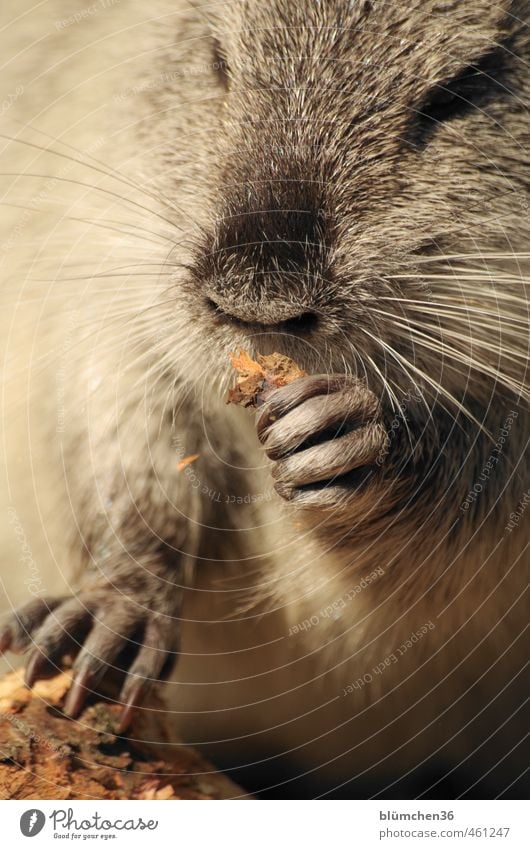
(264, 824)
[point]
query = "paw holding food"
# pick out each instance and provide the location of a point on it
(325, 436)
(324, 432)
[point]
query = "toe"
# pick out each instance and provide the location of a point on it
(282, 401)
(153, 663)
(78, 693)
(60, 633)
(329, 460)
(17, 632)
(112, 632)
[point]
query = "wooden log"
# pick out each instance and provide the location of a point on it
(45, 755)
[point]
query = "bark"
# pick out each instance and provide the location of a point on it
(44, 755)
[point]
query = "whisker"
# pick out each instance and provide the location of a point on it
(439, 346)
(498, 255)
(439, 389)
(80, 183)
(498, 326)
(106, 171)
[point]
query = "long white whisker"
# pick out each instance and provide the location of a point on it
(439, 389)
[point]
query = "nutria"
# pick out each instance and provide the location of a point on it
(331, 585)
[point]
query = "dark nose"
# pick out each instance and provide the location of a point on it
(265, 266)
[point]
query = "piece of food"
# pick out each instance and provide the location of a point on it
(256, 378)
(181, 465)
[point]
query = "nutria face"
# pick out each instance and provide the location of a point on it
(365, 165)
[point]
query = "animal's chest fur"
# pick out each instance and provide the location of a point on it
(357, 663)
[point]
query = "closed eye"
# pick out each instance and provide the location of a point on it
(473, 88)
(220, 64)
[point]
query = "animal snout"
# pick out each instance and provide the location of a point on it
(273, 313)
(266, 262)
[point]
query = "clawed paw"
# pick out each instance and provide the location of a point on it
(326, 437)
(107, 632)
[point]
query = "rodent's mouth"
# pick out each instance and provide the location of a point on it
(298, 325)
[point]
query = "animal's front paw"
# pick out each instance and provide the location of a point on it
(326, 436)
(108, 630)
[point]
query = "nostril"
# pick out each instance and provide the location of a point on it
(212, 305)
(303, 323)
